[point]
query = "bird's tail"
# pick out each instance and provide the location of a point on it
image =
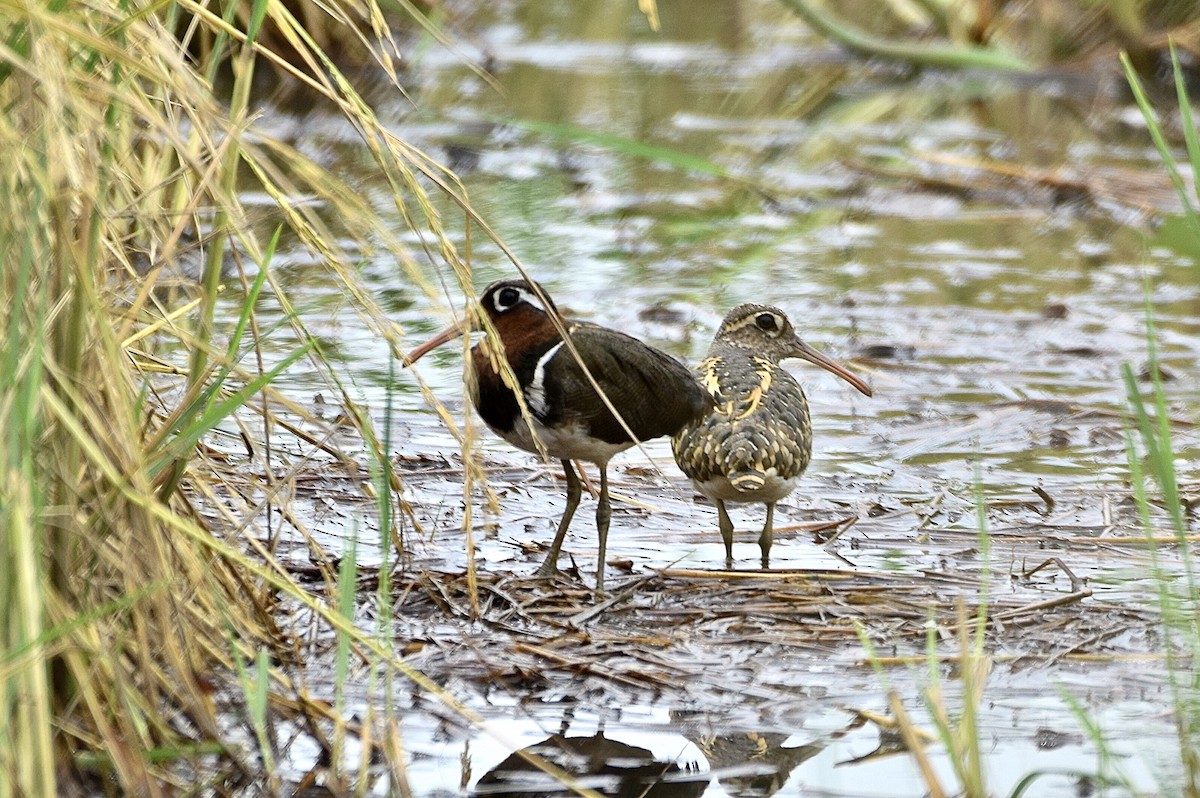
(742, 467)
(747, 482)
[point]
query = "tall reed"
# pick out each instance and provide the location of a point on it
(120, 610)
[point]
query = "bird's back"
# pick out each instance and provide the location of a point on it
(655, 394)
(757, 434)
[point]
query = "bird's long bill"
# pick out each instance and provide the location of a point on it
(806, 352)
(448, 334)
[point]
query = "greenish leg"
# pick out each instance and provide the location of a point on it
(764, 540)
(726, 530)
(574, 491)
(603, 515)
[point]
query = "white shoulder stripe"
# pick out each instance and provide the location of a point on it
(535, 392)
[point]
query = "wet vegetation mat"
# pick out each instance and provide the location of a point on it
(739, 657)
(1053, 590)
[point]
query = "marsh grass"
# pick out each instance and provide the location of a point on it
(1151, 456)
(1154, 480)
(124, 612)
(955, 714)
(956, 727)
(1151, 459)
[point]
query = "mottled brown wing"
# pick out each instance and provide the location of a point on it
(759, 424)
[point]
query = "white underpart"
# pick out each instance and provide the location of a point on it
(773, 489)
(535, 392)
(561, 443)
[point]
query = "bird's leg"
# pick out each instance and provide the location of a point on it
(603, 514)
(764, 540)
(574, 491)
(726, 530)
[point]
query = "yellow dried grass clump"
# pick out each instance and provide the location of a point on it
(119, 611)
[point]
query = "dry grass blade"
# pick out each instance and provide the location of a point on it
(915, 740)
(118, 158)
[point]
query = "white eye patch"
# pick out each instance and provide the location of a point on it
(769, 323)
(507, 297)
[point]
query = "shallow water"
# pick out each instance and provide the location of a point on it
(991, 315)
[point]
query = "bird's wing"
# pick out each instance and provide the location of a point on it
(654, 393)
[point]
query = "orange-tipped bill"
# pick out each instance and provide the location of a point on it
(446, 335)
(806, 352)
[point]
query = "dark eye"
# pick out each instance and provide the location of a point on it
(506, 298)
(767, 322)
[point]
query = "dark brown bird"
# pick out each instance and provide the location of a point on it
(566, 418)
(756, 441)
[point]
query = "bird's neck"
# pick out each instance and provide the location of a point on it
(725, 349)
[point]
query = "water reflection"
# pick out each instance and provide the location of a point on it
(744, 762)
(659, 763)
(610, 767)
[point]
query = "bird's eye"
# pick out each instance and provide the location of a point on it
(506, 298)
(767, 322)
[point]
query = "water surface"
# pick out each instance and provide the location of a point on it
(991, 313)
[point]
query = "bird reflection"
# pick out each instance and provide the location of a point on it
(745, 763)
(755, 763)
(609, 767)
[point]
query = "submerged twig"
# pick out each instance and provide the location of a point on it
(1076, 582)
(583, 617)
(575, 663)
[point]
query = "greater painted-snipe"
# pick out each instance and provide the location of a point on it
(756, 441)
(654, 394)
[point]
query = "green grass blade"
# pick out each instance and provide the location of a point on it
(985, 558)
(944, 56)
(1186, 117)
(257, 14)
(384, 492)
(1081, 776)
(346, 585)
(260, 279)
(347, 579)
(1156, 432)
(1108, 771)
(190, 435)
(1141, 416)
(1160, 142)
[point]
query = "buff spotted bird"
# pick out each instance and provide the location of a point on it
(756, 441)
